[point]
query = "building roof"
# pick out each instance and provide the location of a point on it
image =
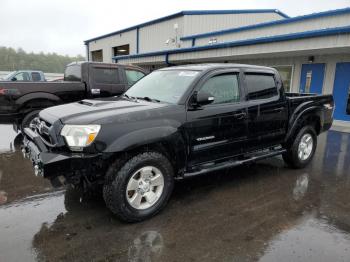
(190, 12)
(246, 42)
(271, 23)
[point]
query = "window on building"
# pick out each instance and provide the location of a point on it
(36, 76)
(106, 75)
(133, 76)
(308, 81)
(224, 88)
(97, 56)
(286, 73)
(121, 50)
(260, 86)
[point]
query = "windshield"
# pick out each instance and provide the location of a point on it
(9, 76)
(165, 86)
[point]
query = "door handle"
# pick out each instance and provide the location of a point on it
(279, 109)
(240, 115)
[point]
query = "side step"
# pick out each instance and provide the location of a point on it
(232, 163)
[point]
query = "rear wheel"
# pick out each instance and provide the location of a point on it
(140, 188)
(302, 149)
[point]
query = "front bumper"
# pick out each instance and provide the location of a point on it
(51, 164)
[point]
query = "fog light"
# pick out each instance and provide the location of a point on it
(24, 153)
(37, 170)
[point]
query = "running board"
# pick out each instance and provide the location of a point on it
(233, 163)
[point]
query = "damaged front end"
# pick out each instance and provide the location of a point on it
(60, 166)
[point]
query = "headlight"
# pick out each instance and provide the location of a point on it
(79, 136)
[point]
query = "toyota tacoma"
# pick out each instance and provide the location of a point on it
(175, 123)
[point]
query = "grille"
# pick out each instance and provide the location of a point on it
(42, 128)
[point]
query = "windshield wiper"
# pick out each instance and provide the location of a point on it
(149, 99)
(130, 98)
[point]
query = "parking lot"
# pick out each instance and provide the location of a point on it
(260, 212)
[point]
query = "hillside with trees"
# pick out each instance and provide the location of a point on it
(11, 59)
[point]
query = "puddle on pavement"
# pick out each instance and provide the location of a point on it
(263, 212)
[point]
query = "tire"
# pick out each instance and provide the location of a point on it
(139, 172)
(293, 157)
(28, 118)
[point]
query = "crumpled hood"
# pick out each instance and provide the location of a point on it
(96, 111)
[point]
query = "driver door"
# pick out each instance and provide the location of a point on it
(219, 129)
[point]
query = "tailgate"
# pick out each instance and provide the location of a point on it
(7, 96)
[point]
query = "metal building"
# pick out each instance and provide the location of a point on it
(311, 52)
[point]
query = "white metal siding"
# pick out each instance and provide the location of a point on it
(317, 44)
(197, 24)
(300, 26)
(107, 44)
(143, 60)
(153, 37)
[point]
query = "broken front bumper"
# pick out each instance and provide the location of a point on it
(50, 164)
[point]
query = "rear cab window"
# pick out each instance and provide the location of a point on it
(106, 75)
(36, 76)
(73, 73)
(260, 86)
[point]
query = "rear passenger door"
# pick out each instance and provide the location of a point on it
(267, 109)
(105, 80)
(217, 130)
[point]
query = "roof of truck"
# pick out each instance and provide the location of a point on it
(204, 67)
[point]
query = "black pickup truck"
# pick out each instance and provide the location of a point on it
(21, 101)
(175, 123)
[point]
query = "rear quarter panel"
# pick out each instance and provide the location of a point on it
(309, 105)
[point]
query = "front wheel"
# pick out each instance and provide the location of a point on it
(28, 118)
(302, 150)
(140, 188)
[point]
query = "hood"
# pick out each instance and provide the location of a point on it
(96, 111)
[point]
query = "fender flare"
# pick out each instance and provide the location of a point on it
(37, 95)
(152, 135)
(316, 110)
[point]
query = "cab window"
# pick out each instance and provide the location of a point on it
(106, 75)
(36, 76)
(224, 88)
(24, 76)
(133, 76)
(260, 86)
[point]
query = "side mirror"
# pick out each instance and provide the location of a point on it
(204, 98)
(14, 79)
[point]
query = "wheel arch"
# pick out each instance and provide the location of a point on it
(311, 116)
(165, 140)
(37, 100)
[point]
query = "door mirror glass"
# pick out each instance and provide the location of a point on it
(14, 79)
(204, 98)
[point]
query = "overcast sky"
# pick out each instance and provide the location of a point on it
(61, 26)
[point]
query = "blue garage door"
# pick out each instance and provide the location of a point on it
(341, 92)
(311, 79)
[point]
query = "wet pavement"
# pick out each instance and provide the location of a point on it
(260, 212)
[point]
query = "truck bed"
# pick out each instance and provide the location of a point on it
(307, 101)
(12, 94)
